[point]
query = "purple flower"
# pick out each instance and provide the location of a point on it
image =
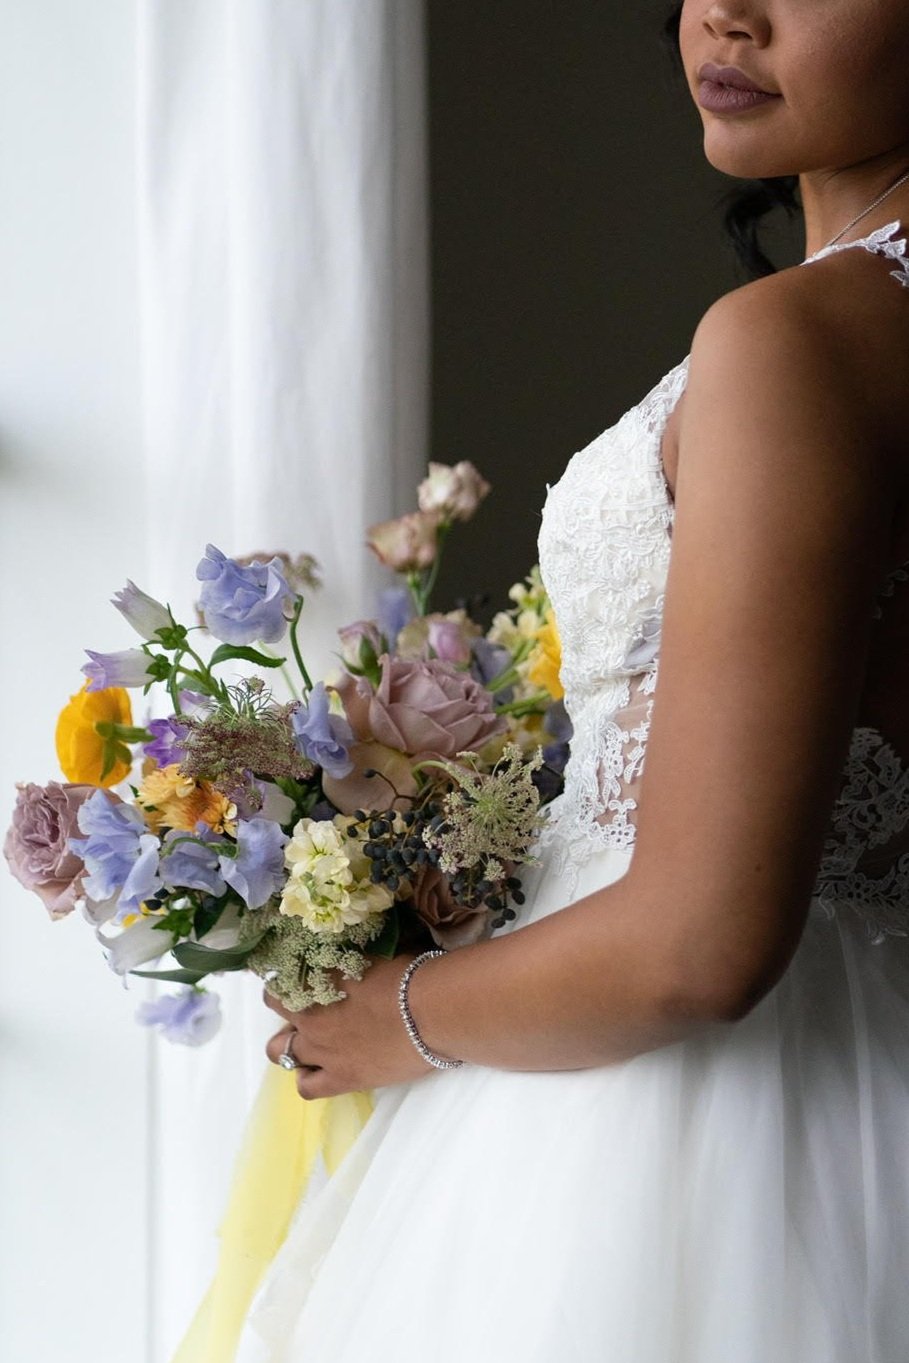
(193, 703)
(489, 662)
(395, 609)
(189, 1018)
(188, 862)
(243, 604)
(166, 746)
(557, 723)
(129, 667)
(257, 871)
(120, 855)
(143, 612)
(449, 641)
(322, 737)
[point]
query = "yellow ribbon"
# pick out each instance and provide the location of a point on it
(283, 1140)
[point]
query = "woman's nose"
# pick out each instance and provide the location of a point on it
(738, 19)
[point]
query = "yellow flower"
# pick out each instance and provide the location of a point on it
(546, 660)
(171, 800)
(80, 748)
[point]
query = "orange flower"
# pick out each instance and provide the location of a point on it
(171, 800)
(546, 659)
(81, 751)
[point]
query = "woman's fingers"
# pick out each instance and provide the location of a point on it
(276, 1044)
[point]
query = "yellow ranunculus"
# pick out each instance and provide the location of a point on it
(546, 659)
(80, 748)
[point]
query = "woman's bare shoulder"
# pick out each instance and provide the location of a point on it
(838, 327)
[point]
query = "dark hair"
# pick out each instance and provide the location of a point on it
(745, 207)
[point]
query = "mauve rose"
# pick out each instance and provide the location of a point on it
(422, 708)
(408, 543)
(452, 492)
(451, 924)
(44, 817)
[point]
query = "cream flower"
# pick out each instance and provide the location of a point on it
(329, 886)
(452, 492)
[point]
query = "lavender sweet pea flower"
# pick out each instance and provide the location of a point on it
(243, 604)
(189, 1018)
(395, 609)
(120, 855)
(143, 612)
(167, 745)
(129, 667)
(257, 872)
(188, 862)
(322, 737)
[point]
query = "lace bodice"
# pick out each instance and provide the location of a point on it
(604, 555)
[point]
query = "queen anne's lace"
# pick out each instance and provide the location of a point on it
(604, 554)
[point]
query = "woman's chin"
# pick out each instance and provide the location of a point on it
(743, 157)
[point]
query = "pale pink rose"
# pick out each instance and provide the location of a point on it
(392, 785)
(421, 708)
(408, 543)
(446, 636)
(451, 924)
(452, 492)
(44, 817)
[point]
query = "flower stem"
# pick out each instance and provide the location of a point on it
(294, 643)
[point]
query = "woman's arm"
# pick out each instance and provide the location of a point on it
(784, 504)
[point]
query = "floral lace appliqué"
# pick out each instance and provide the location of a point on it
(879, 243)
(604, 554)
(865, 864)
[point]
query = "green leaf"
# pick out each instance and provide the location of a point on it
(386, 944)
(172, 976)
(207, 915)
(194, 956)
(225, 652)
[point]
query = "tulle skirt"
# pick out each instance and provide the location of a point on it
(741, 1197)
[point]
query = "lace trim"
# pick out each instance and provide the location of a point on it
(878, 243)
(871, 811)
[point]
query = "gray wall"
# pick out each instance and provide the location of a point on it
(576, 242)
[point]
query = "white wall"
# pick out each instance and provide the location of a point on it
(73, 1066)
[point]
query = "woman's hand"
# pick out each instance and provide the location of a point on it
(355, 1044)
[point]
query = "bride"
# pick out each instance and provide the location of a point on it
(664, 1118)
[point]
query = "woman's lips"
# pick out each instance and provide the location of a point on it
(726, 89)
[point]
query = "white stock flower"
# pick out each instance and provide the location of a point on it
(329, 886)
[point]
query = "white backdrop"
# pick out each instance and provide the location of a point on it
(213, 326)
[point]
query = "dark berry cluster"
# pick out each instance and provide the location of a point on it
(394, 844)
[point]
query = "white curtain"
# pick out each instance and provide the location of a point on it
(282, 256)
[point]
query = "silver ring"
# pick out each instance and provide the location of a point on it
(287, 1060)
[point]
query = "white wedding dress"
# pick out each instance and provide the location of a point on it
(742, 1197)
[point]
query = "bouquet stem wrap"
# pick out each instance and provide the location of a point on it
(284, 1138)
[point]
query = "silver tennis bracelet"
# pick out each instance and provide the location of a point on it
(437, 1060)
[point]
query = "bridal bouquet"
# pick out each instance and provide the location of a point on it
(297, 835)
